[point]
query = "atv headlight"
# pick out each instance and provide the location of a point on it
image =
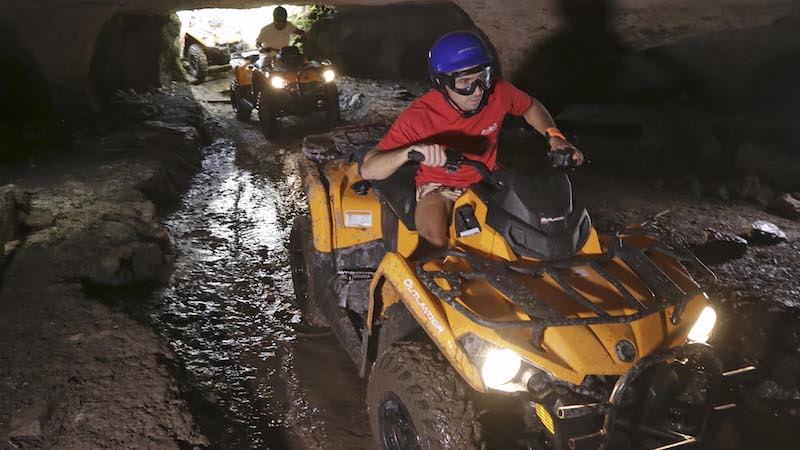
(278, 82)
(500, 367)
(328, 75)
(701, 330)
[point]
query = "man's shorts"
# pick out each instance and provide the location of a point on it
(450, 193)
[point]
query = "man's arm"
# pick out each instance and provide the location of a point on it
(540, 119)
(379, 164)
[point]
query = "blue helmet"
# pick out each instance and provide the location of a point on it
(457, 54)
(457, 51)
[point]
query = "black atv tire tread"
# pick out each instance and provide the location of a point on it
(335, 316)
(434, 394)
(242, 110)
(301, 236)
(267, 120)
(333, 113)
(196, 52)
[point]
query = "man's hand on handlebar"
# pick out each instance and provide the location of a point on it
(560, 145)
(434, 155)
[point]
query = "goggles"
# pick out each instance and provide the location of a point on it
(484, 80)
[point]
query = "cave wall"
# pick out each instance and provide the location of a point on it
(61, 35)
(397, 41)
(136, 51)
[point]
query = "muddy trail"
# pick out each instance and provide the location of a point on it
(261, 379)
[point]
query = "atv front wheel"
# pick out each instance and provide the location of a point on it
(242, 110)
(266, 117)
(415, 400)
(198, 62)
(305, 262)
(332, 111)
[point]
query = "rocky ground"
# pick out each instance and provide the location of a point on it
(75, 372)
(78, 370)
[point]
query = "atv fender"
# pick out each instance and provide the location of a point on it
(395, 272)
(318, 205)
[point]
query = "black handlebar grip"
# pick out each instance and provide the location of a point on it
(414, 155)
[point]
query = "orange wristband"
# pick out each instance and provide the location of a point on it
(552, 131)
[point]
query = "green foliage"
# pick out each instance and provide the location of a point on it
(309, 15)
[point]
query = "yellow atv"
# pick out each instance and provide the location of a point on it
(208, 44)
(287, 84)
(569, 338)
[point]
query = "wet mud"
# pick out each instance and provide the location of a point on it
(262, 379)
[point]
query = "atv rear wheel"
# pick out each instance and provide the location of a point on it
(332, 111)
(415, 400)
(242, 110)
(198, 62)
(305, 262)
(266, 117)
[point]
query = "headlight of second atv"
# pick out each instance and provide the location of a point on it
(278, 82)
(328, 75)
(701, 331)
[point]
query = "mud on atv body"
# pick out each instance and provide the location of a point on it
(288, 85)
(586, 333)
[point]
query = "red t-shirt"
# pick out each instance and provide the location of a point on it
(432, 120)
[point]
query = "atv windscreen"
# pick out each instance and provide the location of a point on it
(536, 214)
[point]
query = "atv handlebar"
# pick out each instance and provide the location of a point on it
(456, 159)
(562, 158)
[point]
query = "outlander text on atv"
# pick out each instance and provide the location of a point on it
(599, 339)
(289, 84)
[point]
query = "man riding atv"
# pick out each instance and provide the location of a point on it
(466, 112)
(562, 336)
(276, 35)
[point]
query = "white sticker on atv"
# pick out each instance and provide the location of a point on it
(358, 219)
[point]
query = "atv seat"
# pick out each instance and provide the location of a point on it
(290, 58)
(399, 193)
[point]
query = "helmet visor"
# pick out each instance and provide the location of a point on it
(462, 83)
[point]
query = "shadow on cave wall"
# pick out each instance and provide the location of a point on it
(576, 64)
(136, 51)
(26, 110)
(385, 41)
(699, 105)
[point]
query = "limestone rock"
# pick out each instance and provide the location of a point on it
(14, 204)
(39, 218)
(787, 205)
(720, 247)
(28, 421)
(131, 263)
(763, 232)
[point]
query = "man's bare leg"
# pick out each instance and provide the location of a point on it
(431, 219)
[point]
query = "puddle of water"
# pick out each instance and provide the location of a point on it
(227, 310)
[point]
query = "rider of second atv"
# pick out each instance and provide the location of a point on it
(586, 332)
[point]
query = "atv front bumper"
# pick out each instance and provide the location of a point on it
(297, 99)
(695, 357)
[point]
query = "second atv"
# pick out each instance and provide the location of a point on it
(287, 84)
(568, 337)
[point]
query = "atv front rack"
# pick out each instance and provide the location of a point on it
(507, 279)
